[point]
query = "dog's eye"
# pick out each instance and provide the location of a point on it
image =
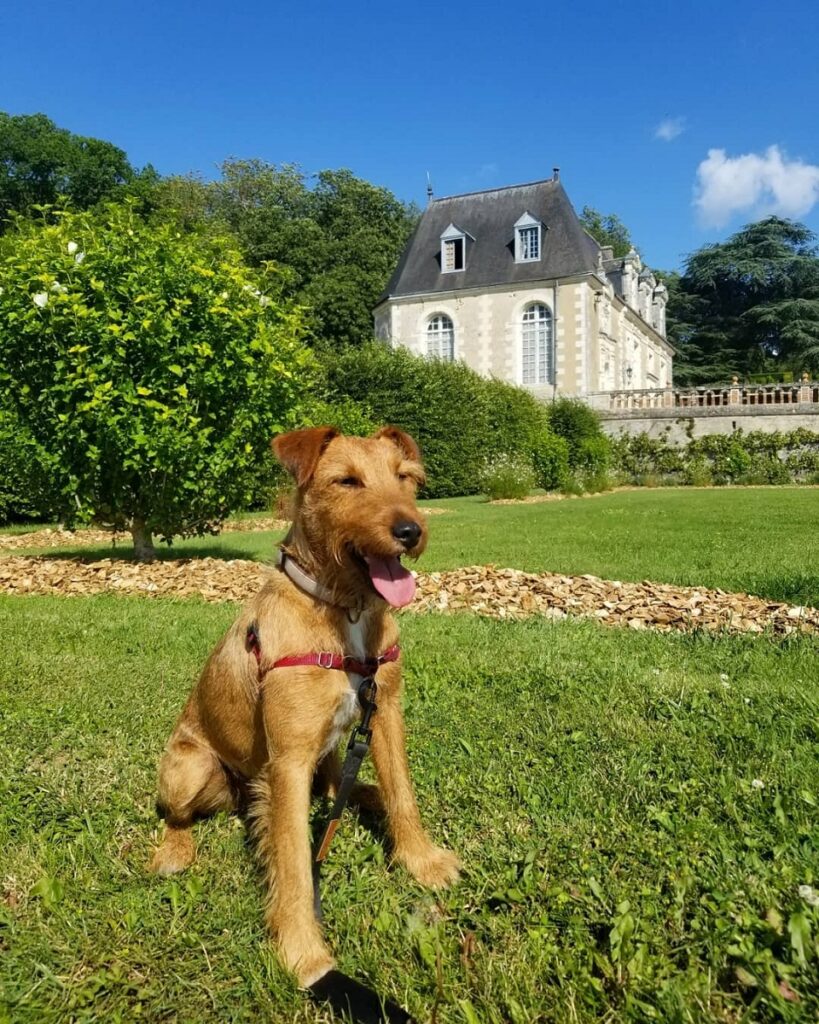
(349, 481)
(403, 476)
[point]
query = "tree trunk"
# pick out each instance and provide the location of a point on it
(144, 550)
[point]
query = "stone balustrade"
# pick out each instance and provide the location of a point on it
(734, 396)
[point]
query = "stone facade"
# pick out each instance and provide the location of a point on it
(602, 318)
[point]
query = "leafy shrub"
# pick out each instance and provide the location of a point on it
(765, 469)
(459, 418)
(272, 485)
(550, 459)
(698, 473)
(25, 483)
(149, 366)
(441, 404)
(592, 455)
(752, 458)
(517, 420)
(572, 487)
(575, 421)
(596, 482)
(507, 476)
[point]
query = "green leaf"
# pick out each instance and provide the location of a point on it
(50, 891)
(799, 931)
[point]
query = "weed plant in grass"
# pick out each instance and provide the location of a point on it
(636, 814)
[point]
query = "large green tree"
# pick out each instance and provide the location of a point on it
(335, 238)
(150, 366)
(747, 305)
(607, 229)
(40, 163)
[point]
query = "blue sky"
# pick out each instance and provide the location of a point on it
(479, 96)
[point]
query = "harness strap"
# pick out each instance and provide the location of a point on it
(340, 662)
(321, 659)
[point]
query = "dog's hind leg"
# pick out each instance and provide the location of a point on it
(192, 783)
(328, 778)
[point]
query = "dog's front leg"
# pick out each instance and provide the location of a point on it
(429, 864)
(297, 718)
(286, 849)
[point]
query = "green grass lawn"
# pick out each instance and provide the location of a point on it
(621, 862)
(760, 540)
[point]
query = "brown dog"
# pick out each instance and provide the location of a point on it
(355, 515)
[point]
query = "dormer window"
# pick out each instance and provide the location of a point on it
(453, 250)
(527, 239)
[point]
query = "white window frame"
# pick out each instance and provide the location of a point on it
(527, 223)
(452, 235)
(436, 333)
(541, 327)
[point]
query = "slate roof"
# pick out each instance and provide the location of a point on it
(489, 217)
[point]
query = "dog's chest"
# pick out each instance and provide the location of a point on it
(348, 709)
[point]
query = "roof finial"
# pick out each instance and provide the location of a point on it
(429, 189)
(555, 174)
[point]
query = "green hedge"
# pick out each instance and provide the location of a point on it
(738, 458)
(460, 419)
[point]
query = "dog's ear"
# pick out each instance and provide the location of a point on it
(300, 450)
(402, 441)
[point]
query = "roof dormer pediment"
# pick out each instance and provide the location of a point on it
(453, 231)
(526, 220)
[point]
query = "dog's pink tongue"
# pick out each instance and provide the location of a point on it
(392, 581)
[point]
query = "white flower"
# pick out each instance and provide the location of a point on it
(809, 895)
(264, 300)
(72, 248)
(79, 257)
(723, 677)
(223, 295)
(40, 299)
(60, 289)
(758, 784)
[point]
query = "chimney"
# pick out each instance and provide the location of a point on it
(555, 174)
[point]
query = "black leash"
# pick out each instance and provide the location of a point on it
(344, 994)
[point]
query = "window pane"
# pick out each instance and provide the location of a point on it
(441, 338)
(536, 342)
(529, 244)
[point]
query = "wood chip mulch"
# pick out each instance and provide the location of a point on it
(484, 590)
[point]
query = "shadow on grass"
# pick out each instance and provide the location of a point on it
(125, 553)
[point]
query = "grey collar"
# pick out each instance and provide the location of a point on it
(294, 572)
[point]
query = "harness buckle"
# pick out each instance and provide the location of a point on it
(325, 659)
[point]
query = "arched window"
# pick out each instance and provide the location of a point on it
(536, 337)
(441, 337)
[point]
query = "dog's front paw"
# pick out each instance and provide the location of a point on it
(305, 954)
(432, 866)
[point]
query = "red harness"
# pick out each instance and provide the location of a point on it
(323, 659)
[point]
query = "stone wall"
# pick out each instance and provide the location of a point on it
(680, 424)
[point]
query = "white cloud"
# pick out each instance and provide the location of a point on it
(669, 128)
(760, 184)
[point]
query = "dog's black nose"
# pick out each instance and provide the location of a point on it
(407, 532)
